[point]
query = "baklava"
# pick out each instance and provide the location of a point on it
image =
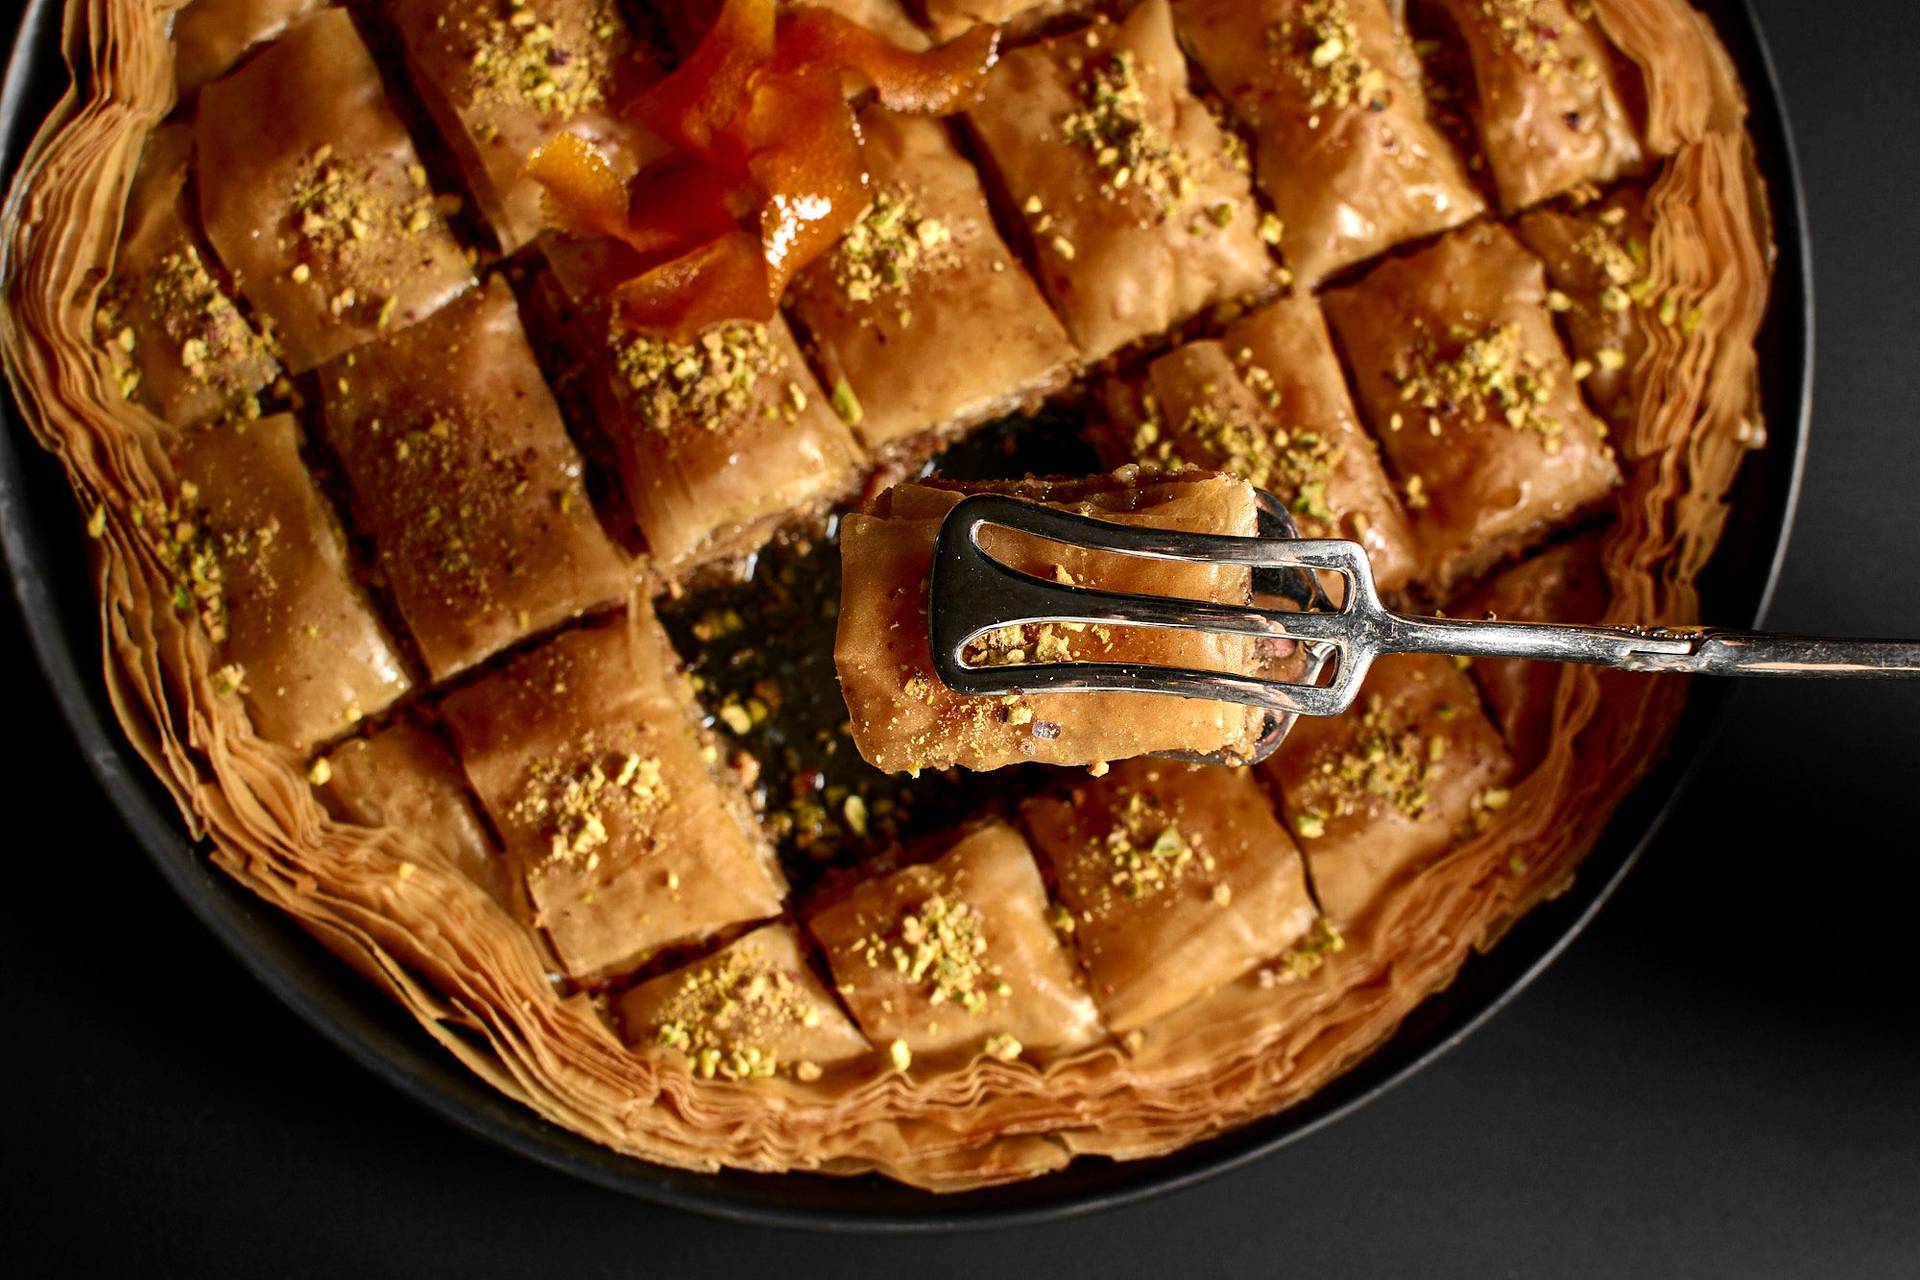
(489, 628)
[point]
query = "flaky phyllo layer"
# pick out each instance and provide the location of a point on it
(1252, 1005)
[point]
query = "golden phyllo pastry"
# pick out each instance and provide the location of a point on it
(584, 754)
(717, 441)
(958, 957)
(463, 475)
(921, 276)
(1175, 880)
(1267, 401)
(179, 344)
(1376, 792)
(903, 718)
(505, 77)
(1328, 92)
(406, 779)
(210, 36)
(268, 570)
(1561, 584)
(314, 197)
(1599, 261)
(1549, 99)
(1138, 213)
(750, 1010)
(1461, 375)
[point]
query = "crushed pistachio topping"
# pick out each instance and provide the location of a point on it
(1528, 30)
(702, 382)
(940, 946)
(569, 797)
(1305, 957)
(1144, 850)
(1004, 1047)
(204, 331)
(1388, 762)
(893, 241)
(1295, 465)
(340, 218)
(1320, 47)
(197, 556)
(520, 59)
(724, 1016)
(1484, 375)
(1021, 645)
(1129, 150)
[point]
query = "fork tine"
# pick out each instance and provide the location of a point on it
(972, 594)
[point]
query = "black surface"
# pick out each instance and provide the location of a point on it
(1718, 1078)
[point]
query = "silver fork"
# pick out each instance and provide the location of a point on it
(971, 594)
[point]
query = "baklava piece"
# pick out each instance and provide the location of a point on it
(1268, 401)
(464, 477)
(1376, 792)
(1549, 100)
(505, 77)
(584, 754)
(904, 719)
(1329, 93)
(717, 441)
(1597, 262)
(1138, 213)
(210, 36)
(267, 567)
(406, 779)
(921, 277)
(751, 1010)
(1562, 584)
(179, 344)
(1462, 376)
(315, 200)
(958, 957)
(1176, 880)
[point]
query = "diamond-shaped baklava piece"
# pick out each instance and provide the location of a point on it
(1176, 880)
(1268, 401)
(717, 441)
(922, 276)
(463, 476)
(210, 36)
(1329, 93)
(1139, 215)
(304, 646)
(584, 754)
(958, 957)
(1549, 97)
(179, 344)
(505, 79)
(1375, 793)
(1598, 261)
(903, 718)
(1461, 374)
(405, 778)
(314, 198)
(751, 1010)
(1561, 584)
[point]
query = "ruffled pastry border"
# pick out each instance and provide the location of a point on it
(472, 976)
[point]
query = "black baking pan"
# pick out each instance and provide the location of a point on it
(43, 541)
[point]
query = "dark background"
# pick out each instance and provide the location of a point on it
(1721, 1077)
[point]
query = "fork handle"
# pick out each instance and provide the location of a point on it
(1691, 650)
